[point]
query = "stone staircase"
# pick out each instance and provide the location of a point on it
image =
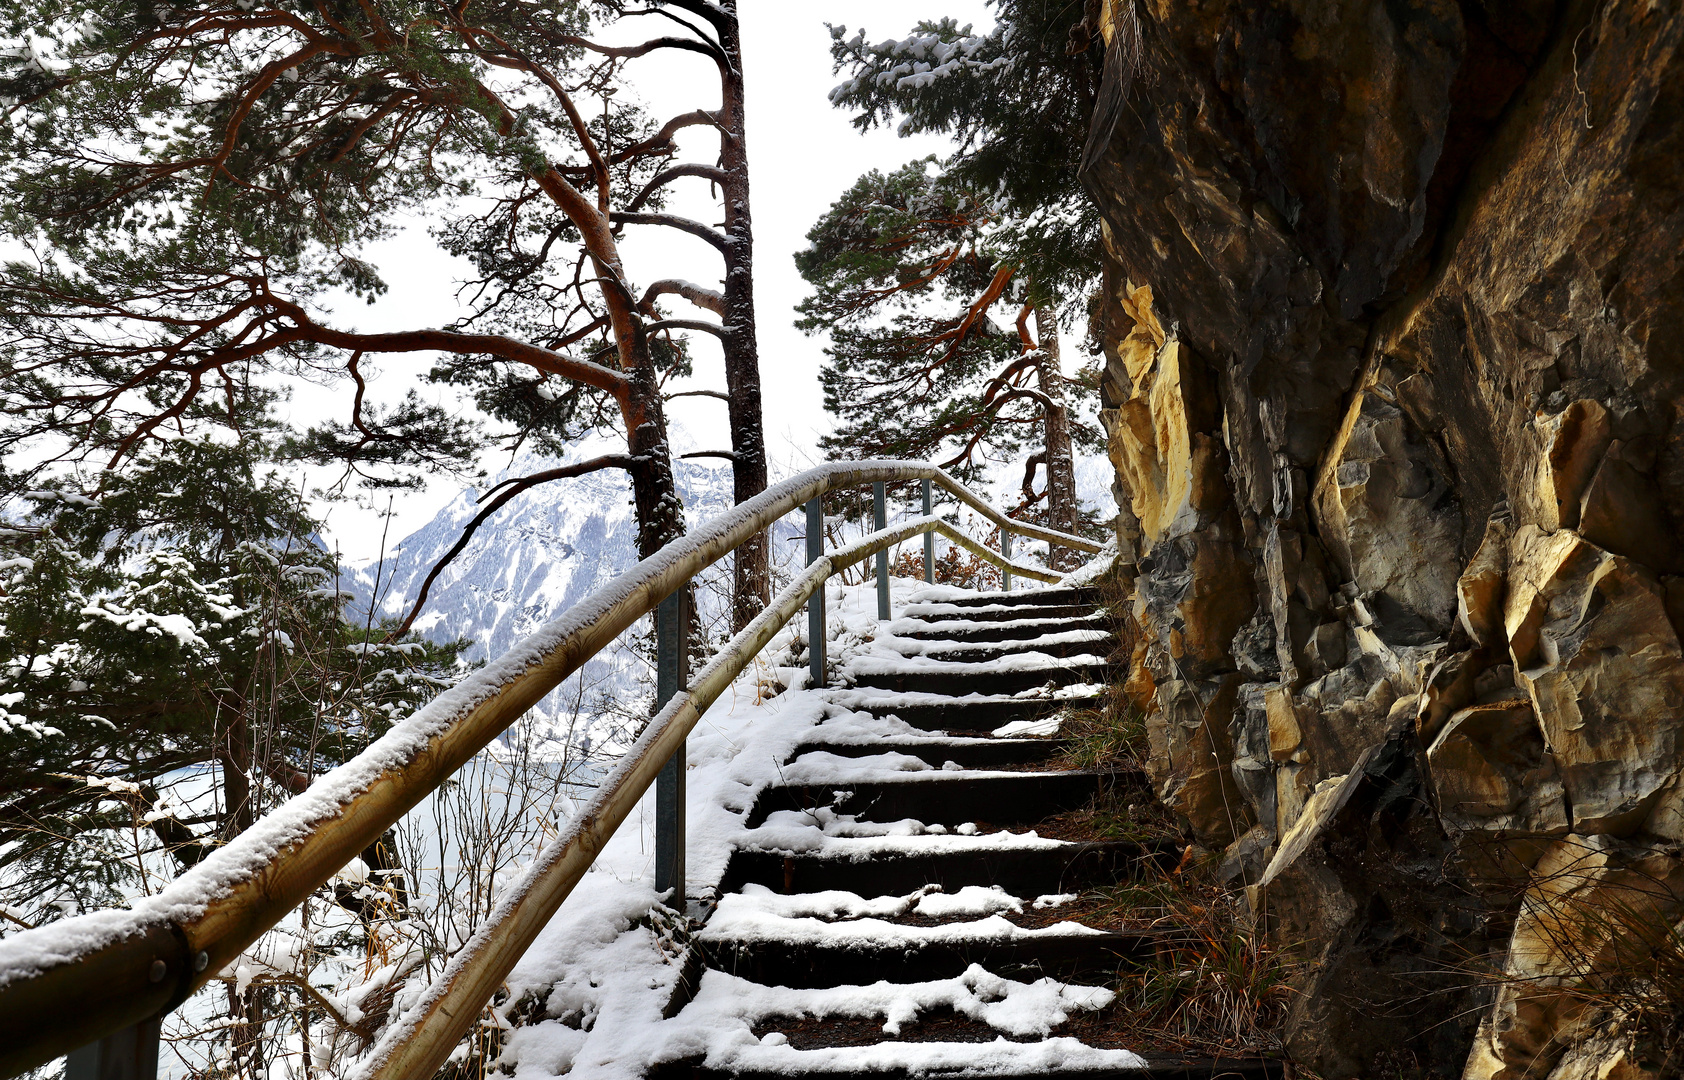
(884, 922)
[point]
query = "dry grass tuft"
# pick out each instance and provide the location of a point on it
(1213, 984)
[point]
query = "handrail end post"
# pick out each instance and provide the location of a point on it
(929, 538)
(880, 517)
(129, 1054)
(672, 653)
(1006, 550)
(815, 605)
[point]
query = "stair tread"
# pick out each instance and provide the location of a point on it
(1154, 1068)
(873, 810)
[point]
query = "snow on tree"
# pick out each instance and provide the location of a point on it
(906, 272)
(1008, 221)
(191, 181)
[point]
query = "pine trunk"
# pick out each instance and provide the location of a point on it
(237, 809)
(660, 513)
(1062, 510)
(752, 586)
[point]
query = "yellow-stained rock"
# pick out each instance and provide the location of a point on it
(1480, 589)
(1217, 601)
(1490, 771)
(1593, 646)
(1621, 511)
(1285, 738)
(1425, 259)
(1593, 914)
(1575, 441)
(1293, 788)
(1329, 798)
(1383, 516)
(1608, 1053)
(1190, 758)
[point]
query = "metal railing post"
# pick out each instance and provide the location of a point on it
(880, 520)
(929, 539)
(129, 1054)
(1006, 550)
(815, 606)
(672, 654)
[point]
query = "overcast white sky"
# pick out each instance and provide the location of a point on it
(803, 154)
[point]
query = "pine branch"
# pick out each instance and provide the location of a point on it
(667, 176)
(673, 221)
(515, 487)
(687, 324)
(702, 298)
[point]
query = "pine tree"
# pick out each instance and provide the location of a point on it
(1018, 100)
(180, 616)
(193, 179)
(906, 271)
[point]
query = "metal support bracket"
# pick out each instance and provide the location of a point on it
(815, 606)
(672, 662)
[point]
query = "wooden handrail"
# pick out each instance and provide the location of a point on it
(75, 981)
(417, 1043)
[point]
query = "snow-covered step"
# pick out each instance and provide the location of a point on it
(1023, 870)
(979, 712)
(872, 919)
(822, 939)
(1004, 675)
(1025, 598)
(995, 612)
(737, 1027)
(1062, 1057)
(966, 630)
(945, 798)
(940, 753)
(1029, 955)
(1060, 643)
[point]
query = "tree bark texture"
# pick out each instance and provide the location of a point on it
(660, 513)
(1062, 510)
(751, 588)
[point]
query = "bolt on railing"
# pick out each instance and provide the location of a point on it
(95, 977)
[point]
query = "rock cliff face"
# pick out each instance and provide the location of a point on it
(1395, 395)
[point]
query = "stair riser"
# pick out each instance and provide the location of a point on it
(1014, 614)
(1224, 1070)
(1092, 959)
(1032, 598)
(986, 682)
(1022, 799)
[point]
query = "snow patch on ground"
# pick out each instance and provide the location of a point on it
(1047, 725)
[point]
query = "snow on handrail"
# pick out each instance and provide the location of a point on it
(77, 980)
